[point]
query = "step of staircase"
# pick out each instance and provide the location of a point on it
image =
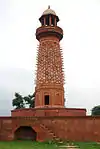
(61, 142)
(68, 147)
(57, 139)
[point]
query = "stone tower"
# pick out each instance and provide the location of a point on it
(49, 77)
(49, 90)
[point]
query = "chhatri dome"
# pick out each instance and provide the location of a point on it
(49, 17)
(49, 11)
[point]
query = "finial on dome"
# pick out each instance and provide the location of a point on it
(48, 6)
(49, 11)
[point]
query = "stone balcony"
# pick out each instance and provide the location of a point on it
(49, 30)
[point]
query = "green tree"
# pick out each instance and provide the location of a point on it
(30, 100)
(18, 101)
(96, 110)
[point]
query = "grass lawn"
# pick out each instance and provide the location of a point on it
(38, 145)
(88, 145)
(26, 145)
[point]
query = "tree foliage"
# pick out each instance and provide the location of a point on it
(18, 101)
(96, 110)
(21, 102)
(30, 100)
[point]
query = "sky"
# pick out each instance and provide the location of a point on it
(80, 21)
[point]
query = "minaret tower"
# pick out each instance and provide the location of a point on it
(49, 91)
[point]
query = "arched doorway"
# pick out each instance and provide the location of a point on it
(25, 133)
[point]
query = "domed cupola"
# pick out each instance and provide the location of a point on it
(49, 17)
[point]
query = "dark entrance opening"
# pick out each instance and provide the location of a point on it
(46, 98)
(25, 133)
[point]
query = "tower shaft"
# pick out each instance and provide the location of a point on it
(49, 77)
(49, 62)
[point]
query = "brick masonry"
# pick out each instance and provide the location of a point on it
(48, 112)
(83, 128)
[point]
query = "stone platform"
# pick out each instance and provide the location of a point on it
(42, 112)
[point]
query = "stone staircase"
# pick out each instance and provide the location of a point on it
(55, 138)
(61, 145)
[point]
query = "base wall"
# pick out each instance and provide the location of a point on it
(84, 128)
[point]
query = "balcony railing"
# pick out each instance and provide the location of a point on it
(43, 29)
